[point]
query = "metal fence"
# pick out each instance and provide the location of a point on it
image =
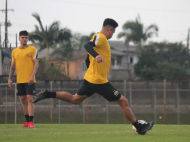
(163, 102)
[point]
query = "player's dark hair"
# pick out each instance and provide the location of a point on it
(25, 33)
(110, 22)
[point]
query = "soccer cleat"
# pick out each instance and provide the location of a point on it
(25, 124)
(31, 125)
(145, 127)
(40, 96)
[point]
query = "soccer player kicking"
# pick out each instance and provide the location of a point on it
(25, 61)
(95, 79)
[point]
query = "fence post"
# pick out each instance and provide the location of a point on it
(15, 104)
(51, 104)
(6, 107)
(178, 107)
(153, 95)
(155, 107)
(83, 105)
(87, 111)
(107, 111)
(125, 97)
(164, 101)
(59, 108)
(130, 96)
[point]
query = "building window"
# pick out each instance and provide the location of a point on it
(131, 60)
(84, 68)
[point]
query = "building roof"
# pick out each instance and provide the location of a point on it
(120, 46)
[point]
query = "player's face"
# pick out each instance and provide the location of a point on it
(23, 40)
(111, 32)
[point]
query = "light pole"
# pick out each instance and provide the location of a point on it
(1, 70)
(1, 24)
(7, 24)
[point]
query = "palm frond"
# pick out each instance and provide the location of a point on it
(36, 15)
(121, 34)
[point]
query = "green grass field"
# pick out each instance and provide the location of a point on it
(92, 133)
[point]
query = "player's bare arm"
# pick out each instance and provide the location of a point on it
(12, 70)
(36, 65)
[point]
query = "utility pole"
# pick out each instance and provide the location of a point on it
(1, 70)
(7, 24)
(6, 39)
(0, 35)
(188, 38)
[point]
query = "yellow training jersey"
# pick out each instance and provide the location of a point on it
(97, 72)
(23, 59)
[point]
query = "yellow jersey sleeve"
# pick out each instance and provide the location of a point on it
(13, 58)
(35, 53)
(97, 40)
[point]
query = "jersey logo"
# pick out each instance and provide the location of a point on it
(28, 54)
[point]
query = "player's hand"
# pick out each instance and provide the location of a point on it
(99, 59)
(31, 80)
(10, 83)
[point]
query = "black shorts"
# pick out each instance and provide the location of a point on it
(106, 90)
(25, 89)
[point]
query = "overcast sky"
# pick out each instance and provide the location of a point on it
(86, 16)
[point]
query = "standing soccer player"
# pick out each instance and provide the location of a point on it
(25, 61)
(95, 79)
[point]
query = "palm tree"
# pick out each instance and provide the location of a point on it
(81, 40)
(64, 52)
(48, 37)
(134, 31)
(85, 39)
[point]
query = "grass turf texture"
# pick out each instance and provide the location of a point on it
(92, 133)
(77, 118)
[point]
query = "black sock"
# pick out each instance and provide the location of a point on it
(31, 118)
(136, 124)
(27, 118)
(51, 95)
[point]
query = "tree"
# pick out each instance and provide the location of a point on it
(53, 73)
(48, 37)
(145, 68)
(168, 52)
(84, 39)
(170, 71)
(64, 52)
(81, 40)
(134, 31)
(163, 61)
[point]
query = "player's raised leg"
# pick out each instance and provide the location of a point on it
(64, 96)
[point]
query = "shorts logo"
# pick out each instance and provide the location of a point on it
(34, 91)
(116, 93)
